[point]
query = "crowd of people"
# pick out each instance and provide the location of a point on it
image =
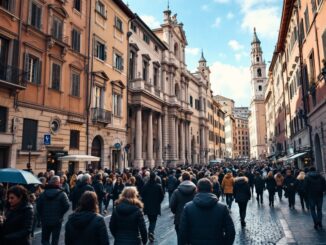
(193, 191)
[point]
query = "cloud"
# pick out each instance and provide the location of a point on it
(205, 7)
(232, 82)
(217, 22)
(235, 45)
(222, 1)
(151, 21)
(230, 16)
(192, 51)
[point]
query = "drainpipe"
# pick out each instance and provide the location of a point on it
(88, 76)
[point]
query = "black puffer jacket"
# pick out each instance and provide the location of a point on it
(270, 184)
(204, 221)
(51, 206)
(84, 228)
(290, 184)
(314, 185)
(17, 227)
(127, 225)
(78, 191)
(152, 196)
(241, 190)
(259, 184)
(183, 194)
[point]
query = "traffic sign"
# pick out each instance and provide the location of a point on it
(47, 139)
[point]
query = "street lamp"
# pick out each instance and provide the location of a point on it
(29, 148)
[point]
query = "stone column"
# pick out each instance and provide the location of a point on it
(150, 160)
(172, 135)
(177, 157)
(139, 162)
(202, 145)
(182, 146)
(159, 159)
(165, 133)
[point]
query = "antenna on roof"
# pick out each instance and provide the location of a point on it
(168, 4)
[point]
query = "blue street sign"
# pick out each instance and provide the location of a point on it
(117, 146)
(47, 139)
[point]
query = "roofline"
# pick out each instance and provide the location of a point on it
(124, 8)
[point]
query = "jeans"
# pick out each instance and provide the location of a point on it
(47, 230)
(291, 197)
(316, 205)
(152, 223)
(242, 210)
(229, 199)
(106, 203)
(303, 200)
(279, 192)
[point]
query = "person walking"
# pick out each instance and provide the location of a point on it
(51, 206)
(152, 196)
(204, 220)
(99, 190)
(227, 185)
(183, 194)
(117, 189)
(259, 186)
(271, 187)
(16, 224)
(85, 226)
(127, 223)
(279, 179)
(315, 186)
(242, 195)
(81, 186)
(172, 183)
(290, 186)
(301, 190)
(108, 188)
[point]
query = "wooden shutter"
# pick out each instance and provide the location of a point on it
(26, 66)
(29, 134)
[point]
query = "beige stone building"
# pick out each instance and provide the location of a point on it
(241, 133)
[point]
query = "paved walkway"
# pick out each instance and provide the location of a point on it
(265, 225)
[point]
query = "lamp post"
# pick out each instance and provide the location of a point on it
(29, 148)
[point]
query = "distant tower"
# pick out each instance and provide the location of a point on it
(202, 67)
(258, 69)
(257, 121)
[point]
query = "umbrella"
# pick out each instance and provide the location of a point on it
(16, 176)
(79, 158)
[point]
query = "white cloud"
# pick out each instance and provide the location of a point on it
(217, 22)
(222, 1)
(232, 82)
(151, 21)
(205, 7)
(192, 51)
(235, 45)
(230, 16)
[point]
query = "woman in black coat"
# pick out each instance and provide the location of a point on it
(271, 187)
(86, 226)
(117, 189)
(127, 223)
(242, 195)
(16, 226)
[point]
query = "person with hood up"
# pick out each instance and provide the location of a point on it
(183, 194)
(242, 195)
(85, 226)
(51, 206)
(204, 221)
(227, 185)
(271, 187)
(81, 186)
(152, 197)
(259, 187)
(127, 223)
(315, 186)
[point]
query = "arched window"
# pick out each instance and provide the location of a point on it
(260, 88)
(259, 72)
(257, 58)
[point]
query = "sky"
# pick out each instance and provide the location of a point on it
(223, 29)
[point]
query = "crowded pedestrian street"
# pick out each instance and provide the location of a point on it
(265, 225)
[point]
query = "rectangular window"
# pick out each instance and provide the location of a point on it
(57, 27)
(118, 62)
(75, 84)
(100, 50)
(3, 119)
(324, 44)
(145, 70)
(56, 76)
(97, 97)
(146, 38)
(306, 20)
(313, 6)
(75, 40)
(156, 76)
(191, 101)
(118, 24)
(133, 27)
(312, 67)
(77, 5)
(74, 139)
(301, 32)
(117, 105)
(36, 15)
(100, 8)
(29, 134)
(32, 69)
(132, 65)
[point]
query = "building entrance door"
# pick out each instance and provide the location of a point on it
(4, 153)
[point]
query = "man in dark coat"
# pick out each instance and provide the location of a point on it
(83, 185)
(315, 186)
(172, 183)
(183, 194)
(99, 190)
(259, 186)
(51, 206)
(242, 195)
(152, 197)
(204, 221)
(290, 186)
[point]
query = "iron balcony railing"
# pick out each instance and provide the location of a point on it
(101, 115)
(12, 76)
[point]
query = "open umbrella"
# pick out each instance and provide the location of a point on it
(16, 176)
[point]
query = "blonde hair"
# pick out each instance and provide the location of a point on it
(130, 195)
(301, 176)
(214, 179)
(270, 174)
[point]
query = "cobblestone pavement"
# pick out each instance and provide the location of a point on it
(265, 225)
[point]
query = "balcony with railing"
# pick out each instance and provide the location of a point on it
(12, 76)
(101, 115)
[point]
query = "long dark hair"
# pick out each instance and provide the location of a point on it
(20, 192)
(88, 202)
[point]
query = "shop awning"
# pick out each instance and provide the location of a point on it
(282, 159)
(297, 155)
(79, 158)
(271, 156)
